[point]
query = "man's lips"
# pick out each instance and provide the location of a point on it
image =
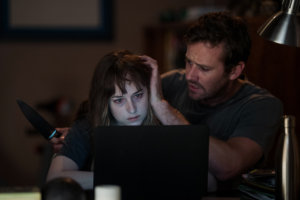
(193, 86)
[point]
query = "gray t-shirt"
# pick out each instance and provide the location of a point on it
(252, 112)
(78, 144)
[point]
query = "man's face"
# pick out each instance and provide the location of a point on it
(129, 109)
(205, 73)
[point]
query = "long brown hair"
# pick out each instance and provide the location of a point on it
(116, 68)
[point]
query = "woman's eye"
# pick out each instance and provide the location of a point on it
(117, 101)
(139, 95)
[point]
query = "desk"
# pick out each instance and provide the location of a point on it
(220, 198)
(90, 196)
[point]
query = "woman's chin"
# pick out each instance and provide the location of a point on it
(135, 124)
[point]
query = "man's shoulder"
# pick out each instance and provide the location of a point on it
(251, 93)
(173, 73)
(256, 91)
(173, 84)
(173, 76)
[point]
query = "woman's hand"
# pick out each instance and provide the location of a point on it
(166, 114)
(155, 81)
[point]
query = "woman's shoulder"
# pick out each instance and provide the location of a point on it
(80, 127)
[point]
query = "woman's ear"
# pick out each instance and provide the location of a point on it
(237, 70)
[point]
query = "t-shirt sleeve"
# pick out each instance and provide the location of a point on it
(171, 82)
(260, 120)
(77, 144)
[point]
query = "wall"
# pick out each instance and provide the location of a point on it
(36, 71)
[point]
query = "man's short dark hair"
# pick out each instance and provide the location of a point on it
(222, 27)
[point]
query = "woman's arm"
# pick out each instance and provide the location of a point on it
(162, 109)
(62, 166)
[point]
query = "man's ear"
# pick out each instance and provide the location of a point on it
(237, 70)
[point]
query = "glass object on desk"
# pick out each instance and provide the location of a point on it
(287, 166)
(107, 192)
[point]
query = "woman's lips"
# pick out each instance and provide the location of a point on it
(132, 119)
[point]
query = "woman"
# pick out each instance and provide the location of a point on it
(119, 95)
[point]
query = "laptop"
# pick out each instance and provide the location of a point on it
(152, 162)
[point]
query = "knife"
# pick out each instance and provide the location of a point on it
(38, 122)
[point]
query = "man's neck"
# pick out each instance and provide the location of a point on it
(227, 92)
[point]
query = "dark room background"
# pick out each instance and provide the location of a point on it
(54, 75)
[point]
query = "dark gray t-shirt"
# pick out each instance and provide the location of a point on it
(78, 145)
(252, 112)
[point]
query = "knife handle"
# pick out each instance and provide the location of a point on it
(55, 133)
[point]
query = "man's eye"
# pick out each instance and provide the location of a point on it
(188, 62)
(205, 69)
(118, 101)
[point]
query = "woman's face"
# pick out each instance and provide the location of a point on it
(129, 109)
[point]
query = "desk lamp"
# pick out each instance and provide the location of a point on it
(284, 26)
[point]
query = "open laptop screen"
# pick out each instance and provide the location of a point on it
(152, 162)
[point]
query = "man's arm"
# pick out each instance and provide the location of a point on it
(230, 158)
(226, 158)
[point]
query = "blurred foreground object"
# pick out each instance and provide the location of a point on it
(20, 193)
(107, 192)
(62, 189)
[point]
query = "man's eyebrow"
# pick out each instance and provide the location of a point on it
(189, 59)
(198, 65)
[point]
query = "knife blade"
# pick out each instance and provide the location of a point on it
(37, 121)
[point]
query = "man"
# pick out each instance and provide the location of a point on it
(243, 118)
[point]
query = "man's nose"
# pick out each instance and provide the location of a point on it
(191, 73)
(131, 107)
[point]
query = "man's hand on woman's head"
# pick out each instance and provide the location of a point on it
(57, 143)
